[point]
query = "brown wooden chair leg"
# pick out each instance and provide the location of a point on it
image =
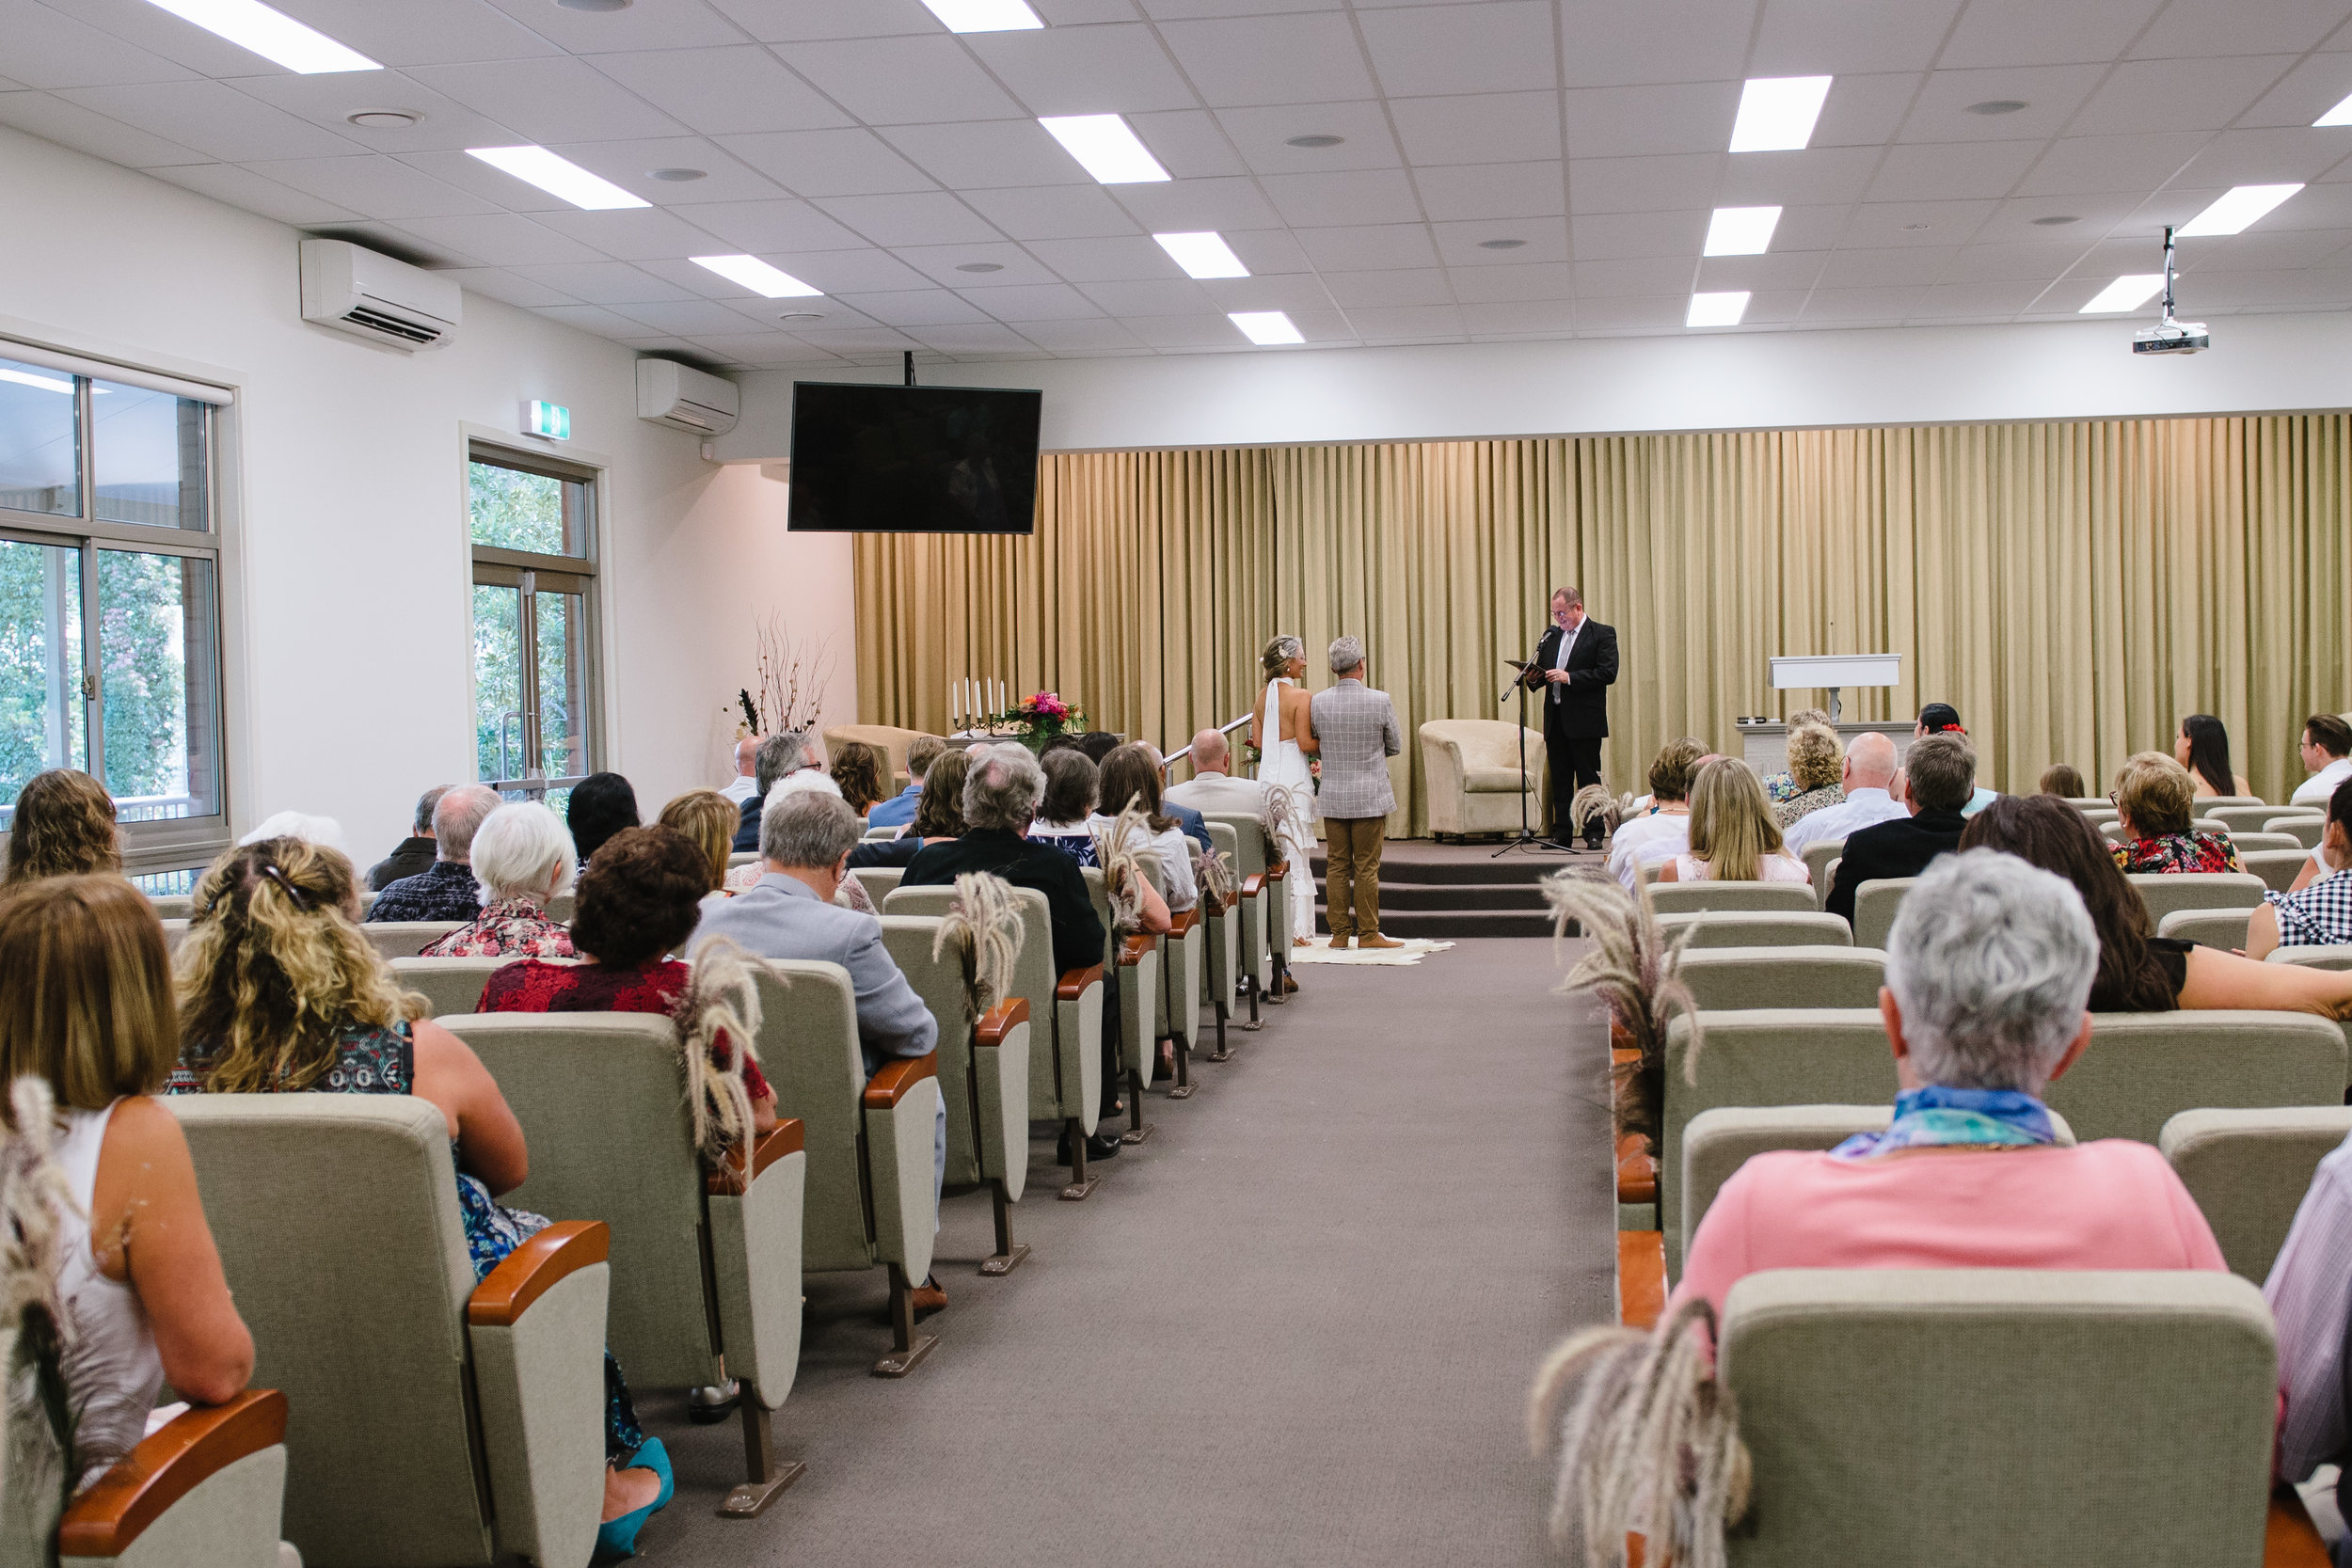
(908, 1348)
(1080, 1183)
(1009, 1254)
(1223, 1052)
(1181, 1089)
(1249, 986)
(1137, 1129)
(768, 1479)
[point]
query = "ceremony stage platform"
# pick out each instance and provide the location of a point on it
(1451, 890)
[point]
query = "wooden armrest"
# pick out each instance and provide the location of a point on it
(534, 1268)
(729, 1179)
(1253, 884)
(1625, 1057)
(1133, 947)
(194, 1447)
(2290, 1540)
(1641, 1277)
(1074, 982)
(998, 1022)
(1179, 923)
(1637, 1170)
(1278, 870)
(898, 1076)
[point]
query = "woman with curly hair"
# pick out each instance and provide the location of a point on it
(863, 774)
(281, 994)
(1816, 766)
(64, 827)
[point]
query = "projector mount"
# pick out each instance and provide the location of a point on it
(2171, 334)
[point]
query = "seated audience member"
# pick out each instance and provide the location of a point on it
(86, 1009)
(2310, 1294)
(1733, 836)
(899, 810)
(939, 816)
(64, 827)
(1096, 744)
(2317, 910)
(804, 845)
(2140, 972)
(1939, 777)
(522, 857)
(1212, 786)
(1863, 778)
(2327, 753)
(704, 820)
(1064, 814)
(789, 760)
(1944, 718)
(1131, 776)
(447, 891)
(2153, 803)
(2203, 747)
(1663, 830)
(746, 781)
(2063, 780)
(1188, 820)
(1783, 787)
(862, 772)
(1816, 763)
(1988, 969)
(417, 852)
(600, 805)
(325, 832)
(280, 993)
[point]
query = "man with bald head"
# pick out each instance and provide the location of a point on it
(746, 781)
(1870, 769)
(1212, 786)
(447, 891)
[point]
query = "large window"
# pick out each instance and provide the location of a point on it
(110, 603)
(534, 529)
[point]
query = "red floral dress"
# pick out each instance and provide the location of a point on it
(2177, 852)
(653, 987)
(510, 928)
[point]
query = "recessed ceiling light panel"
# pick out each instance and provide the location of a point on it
(271, 34)
(1501, 244)
(1717, 309)
(383, 119)
(676, 176)
(984, 16)
(1776, 112)
(1311, 143)
(757, 276)
(2127, 293)
(2339, 114)
(1106, 148)
(46, 383)
(595, 4)
(980, 267)
(1265, 328)
(558, 177)
(2235, 210)
(1997, 107)
(1204, 255)
(801, 316)
(1742, 231)
(2056, 220)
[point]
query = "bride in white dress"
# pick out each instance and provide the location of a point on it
(1285, 736)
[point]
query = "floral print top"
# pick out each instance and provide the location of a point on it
(510, 928)
(2168, 852)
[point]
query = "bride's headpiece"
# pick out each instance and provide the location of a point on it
(1280, 653)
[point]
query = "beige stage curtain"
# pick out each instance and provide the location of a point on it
(2073, 589)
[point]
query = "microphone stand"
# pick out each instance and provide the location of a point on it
(1527, 839)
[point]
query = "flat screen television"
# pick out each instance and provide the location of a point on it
(880, 459)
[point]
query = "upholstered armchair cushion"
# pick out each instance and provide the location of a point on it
(888, 739)
(1472, 769)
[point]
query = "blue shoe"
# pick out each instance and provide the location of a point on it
(617, 1537)
(654, 1457)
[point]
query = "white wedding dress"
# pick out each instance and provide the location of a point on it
(1281, 761)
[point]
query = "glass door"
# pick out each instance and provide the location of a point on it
(531, 698)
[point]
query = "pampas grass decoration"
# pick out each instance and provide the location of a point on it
(1632, 965)
(986, 924)
(1594, 802)
(1119, 853)
(41, 1471)
(1277, 823)
(721, 1002)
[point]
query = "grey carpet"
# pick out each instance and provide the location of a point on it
(1293, 1328)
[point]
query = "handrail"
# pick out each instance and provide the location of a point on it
(1222, 729)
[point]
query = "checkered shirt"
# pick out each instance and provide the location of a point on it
(2319, 916)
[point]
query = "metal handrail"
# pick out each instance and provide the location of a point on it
(1221, 729)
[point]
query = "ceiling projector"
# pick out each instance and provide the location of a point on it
(2171, 334)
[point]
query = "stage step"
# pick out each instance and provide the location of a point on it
(1447, 891)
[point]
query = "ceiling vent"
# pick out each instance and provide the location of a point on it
(684, 398)
(368, 296)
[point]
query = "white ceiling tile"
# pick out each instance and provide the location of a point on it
(1038, 302)
(256, 193)
(604, 282)
(2091, 164)
(1492, 191)
(1168, 297)
(2303, 94)
(1367, 246)
(1181, 206)
(380, 187)
(1860, 304)
(1301, 58)
(1189, 143)
(1496, 285)
(631, 164)
(1072, 13)
(1608, 236)
(1903, 264)
(1177, 10)
(1951, 170)
(1807, 226)
(1462, 245)
(550, 101)
(1048, 213)
(983, 154)
(1819, 174)
(987, 338)
(1774, 307)
(2267, 157)
(2012, 221)
(46, 48)
(1864, 111)
(917, 308)
(671, 24)
(154, 31)
(2051, 94)
(761, 226)
(923, 217)
(1387, 290)
(789, 21)
(1530, 318)
(1495, 127)
(2143, 96)
(940, 263)
(213, 119)
(1643, 185)
(902, 81)
(424, 32)
(444, 125)
(1840, 37)
(1774, 270)
(1632, 275)
(2013, 263)
(401, 246)
(500, 240)
(1265, 250)
(1975, 301)
(48, 116)
(499, 284)
(1084, 71)
(1407, 321)
(1676, 117)
(635, 234)
(2194, 29)
(2328, 206)
(1116, 260)
(1915, 223)
(1183, 332)
(1263, 133)
(771, 348)
(740, 89)
(1321, 326)
(684, 317)
(2035, 32)
(1494, 46)
(1355, 197)
(850, 162)
(847, 272)
(1645, 313)
(591, 318)
(1610, 43)
(9, 83)
(1096, 335)
(2264, 249)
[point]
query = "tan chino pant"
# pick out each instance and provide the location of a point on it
(1351, 883)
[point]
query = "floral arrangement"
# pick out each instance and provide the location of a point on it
(1039, 718)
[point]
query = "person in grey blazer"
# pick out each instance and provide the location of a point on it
(1358, 732)
(804, 845)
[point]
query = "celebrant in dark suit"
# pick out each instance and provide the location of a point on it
(1574, 665)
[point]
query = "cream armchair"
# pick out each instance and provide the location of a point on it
(1472, 766)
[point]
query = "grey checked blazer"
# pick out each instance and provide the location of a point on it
(1357, 728)
(782, 917)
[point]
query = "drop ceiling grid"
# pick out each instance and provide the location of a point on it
(857, 144)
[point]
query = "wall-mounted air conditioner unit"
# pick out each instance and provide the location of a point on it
(684, 398)
(369, 295)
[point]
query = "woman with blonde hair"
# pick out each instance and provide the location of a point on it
(281, 994)
(1734, 837)
(1817, 766)
(705, 819)
(64, 826)
(1282, 729)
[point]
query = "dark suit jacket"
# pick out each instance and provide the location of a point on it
(1580, 709)
(1078, 937)
(414, 857)
(886, 851)
(1901, 848)
(747, 825)
(1195, 825)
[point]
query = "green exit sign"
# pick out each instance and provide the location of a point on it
(551, 420)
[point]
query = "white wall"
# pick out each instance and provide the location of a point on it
(1704, 381)
(349, 655)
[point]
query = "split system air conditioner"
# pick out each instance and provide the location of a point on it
(684, 398)
(369, 295)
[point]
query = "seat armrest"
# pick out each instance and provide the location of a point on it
(2290, 1540)
(142, 1486)
(786, 1137)
(1179, 923)
(998, 1021)
(534, 1268)
(1637, 1170)
(1133, 948)
(1641, 1277)
(897, 1077)
(1253, 884)
(1278, 870)
(1074, 982)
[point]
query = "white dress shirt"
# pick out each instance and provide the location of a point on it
(1560, 660)
(1645, 840)
(1860, 809)
(2316, 790)
(740, 788)
(2309, 1291)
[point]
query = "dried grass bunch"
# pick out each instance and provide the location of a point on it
(42, 1421)
(985, 922)
(1281, 830)
(1594, 809)
(721, 1002)
(1119, 853)
(1632, 965)
(1219, 886)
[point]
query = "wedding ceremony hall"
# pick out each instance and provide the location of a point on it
(1236, 784)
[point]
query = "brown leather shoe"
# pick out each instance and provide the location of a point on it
(1377, 940)
(1290, 983)
(1338, 942)
(929, 1298)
